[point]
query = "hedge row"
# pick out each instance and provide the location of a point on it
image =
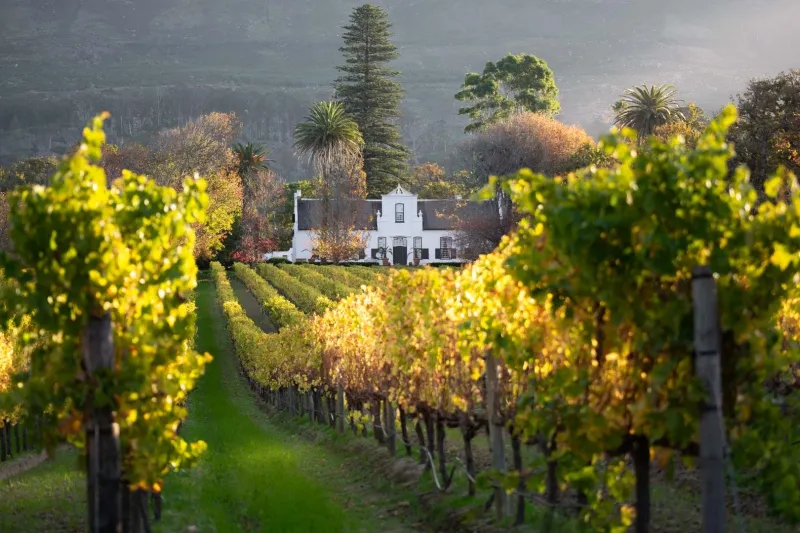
(271, 359)
(282, 312)
(306, 298)
(344, 275)
(368, 274)
(315, 278)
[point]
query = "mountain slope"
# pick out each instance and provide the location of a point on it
(157, 62)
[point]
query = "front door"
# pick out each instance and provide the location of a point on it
(399, 251)
(400, 255)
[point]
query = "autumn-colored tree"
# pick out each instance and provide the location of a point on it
(132, 156)
(443, 189)
(430, 181)
(261, 228)
(690, 128)
(224, 189)
(201, 146)
(524, 140)
(339, 240)
(425, 174)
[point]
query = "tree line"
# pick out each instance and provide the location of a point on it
(511, 106)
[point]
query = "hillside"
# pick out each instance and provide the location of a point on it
(154, 63)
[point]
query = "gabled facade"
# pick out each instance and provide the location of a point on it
(399, 226)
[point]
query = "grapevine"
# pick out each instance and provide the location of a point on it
(84, 250)
(587, 314)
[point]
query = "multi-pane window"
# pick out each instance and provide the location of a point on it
(417, 247)
(446, 244)
(399, 241)
(382, 247)
(399, 212)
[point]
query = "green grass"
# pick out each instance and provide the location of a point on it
(49, 497)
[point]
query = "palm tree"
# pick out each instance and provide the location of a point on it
(250, 157)
(644, 108)
(328, 136)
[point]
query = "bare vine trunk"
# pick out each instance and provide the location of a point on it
(390, 429)
(641, 464)
(404, 430)
(440, 436)
(102, 436)
(468, 433)
(423, 459)
(2, 443)
(426, 416)
(377, 428)
(516, 450)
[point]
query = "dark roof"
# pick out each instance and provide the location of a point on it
(436, 214)
(445, 214)
(362, 212)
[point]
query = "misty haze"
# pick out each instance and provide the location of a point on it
(157, 63)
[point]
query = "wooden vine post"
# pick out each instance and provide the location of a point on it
(707, 368)
(389, 425)
(102, 434)
(495, 432)
(340, 409)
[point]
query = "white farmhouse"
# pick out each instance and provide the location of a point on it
(400, 225)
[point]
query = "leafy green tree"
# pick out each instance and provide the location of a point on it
(644, 108)
(250, 157)
(767, 134)
(333, 143)
(31, 171)
(516, 82)
(371, 95)
(327, 136)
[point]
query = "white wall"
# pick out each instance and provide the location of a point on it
(387, 227)
(301, 245)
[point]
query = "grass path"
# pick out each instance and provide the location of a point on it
(49, 497)
(250, 304)
(256, 476)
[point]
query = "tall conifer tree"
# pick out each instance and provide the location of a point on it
(371, 95)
